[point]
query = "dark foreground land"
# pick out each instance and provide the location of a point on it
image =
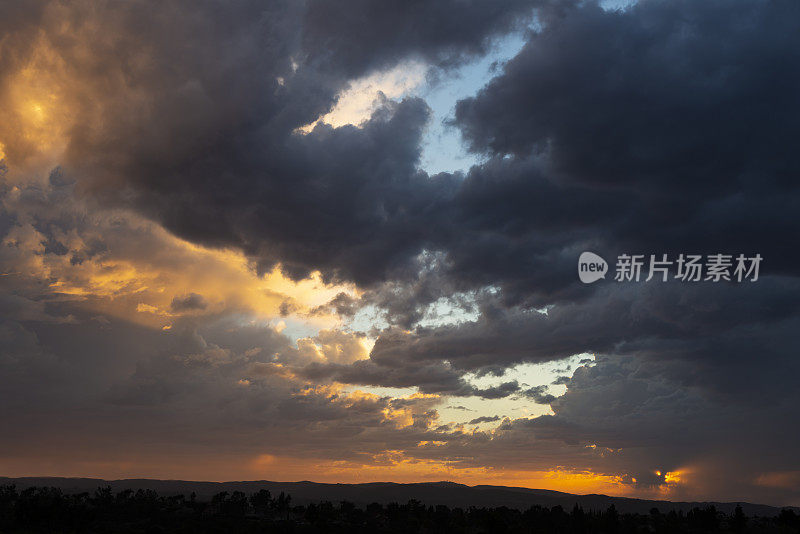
(37, 509)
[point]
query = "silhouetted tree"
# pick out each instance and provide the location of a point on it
(739, 521)
(46, 510)
(261, 501)
(282, 503)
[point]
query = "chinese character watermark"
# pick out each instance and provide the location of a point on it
(686, 268)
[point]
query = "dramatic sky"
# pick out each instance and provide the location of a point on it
(339, 241)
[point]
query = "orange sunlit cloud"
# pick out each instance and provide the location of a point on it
(137, 280)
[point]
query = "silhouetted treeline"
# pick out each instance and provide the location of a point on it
(49, 510)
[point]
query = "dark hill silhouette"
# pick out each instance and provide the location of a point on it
(430, 493)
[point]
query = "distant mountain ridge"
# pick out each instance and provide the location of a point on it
(430, 493)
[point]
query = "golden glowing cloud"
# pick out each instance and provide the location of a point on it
(36, 113)
(143, 268)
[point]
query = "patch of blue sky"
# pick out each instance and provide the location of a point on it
(459, 411)
(450, 310)
(442, 148)
(464, 409)
(614, 5)
(368, 319)
(455, 309)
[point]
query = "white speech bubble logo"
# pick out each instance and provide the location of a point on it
(591, 267)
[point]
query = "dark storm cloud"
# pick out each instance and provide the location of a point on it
(192, 301)
(484, 419)
(198, 114)
(647, 126)
(712, 334)
(359, 35)
(342, 304)
(687, 110)
(716, 330)
(347, 201)
(435, 377)
(639, 406)
(662, 128)
(539, 395)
